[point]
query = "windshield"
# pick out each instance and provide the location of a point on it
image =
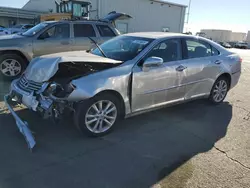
(123, 48)
(34, 30)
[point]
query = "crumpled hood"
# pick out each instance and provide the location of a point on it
(41, 69)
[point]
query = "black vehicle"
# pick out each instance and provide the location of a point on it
(241, 45)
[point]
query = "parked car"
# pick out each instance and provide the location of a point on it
(127, 75)
(232, 44)
(225, 44)
(241, 45)
(51, 37)
(4, 31)
(20, 28)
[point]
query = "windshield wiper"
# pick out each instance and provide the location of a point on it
(98, 46)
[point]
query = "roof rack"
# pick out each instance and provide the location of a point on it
(83, 19)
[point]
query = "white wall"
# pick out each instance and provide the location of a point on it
(146, 16)
(248, 37)
(218, 35)
(224, 35)
(40, 5)
(236, 36)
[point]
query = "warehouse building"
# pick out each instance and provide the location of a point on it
(248, 37)
(224, 35)
(15, 16)
(238, 36)
(217, 35)
(148, 15)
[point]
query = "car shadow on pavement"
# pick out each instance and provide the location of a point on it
(141, 152)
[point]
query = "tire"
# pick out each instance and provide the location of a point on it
(16, 63)
(219, 90)
(87, 108)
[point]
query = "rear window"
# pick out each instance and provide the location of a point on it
(105, 31)
(84, 30)
(198, 49)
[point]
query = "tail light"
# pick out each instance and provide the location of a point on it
(240, 60)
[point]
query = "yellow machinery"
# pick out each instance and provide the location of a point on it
(68, 9)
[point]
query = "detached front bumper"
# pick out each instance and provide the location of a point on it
(22, 125)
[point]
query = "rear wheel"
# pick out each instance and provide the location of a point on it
(98, 116)
(219, 90)
(11, 66)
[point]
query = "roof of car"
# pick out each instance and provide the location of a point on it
(155, 35)
(84, 21)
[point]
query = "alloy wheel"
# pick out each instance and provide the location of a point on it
(101, 116)
(220, 91)
(10, 67)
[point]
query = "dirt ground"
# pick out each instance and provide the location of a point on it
(187, 146)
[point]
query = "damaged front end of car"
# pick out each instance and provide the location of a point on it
(46, 89)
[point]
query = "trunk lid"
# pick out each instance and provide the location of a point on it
(113, 16)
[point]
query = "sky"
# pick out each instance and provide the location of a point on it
(204, 14)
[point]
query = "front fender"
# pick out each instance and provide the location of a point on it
(116, 79)
(24, 51)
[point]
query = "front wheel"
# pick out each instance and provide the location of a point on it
(11, 66)
(219, 91)
(98, 116)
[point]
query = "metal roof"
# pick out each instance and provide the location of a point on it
(18, 13)
(168, 3)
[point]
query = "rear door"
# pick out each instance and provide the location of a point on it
(81, 34)
(202, 65)
(55, 39)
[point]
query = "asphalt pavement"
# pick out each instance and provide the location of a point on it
(193, 145)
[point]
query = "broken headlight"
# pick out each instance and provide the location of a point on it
(60, 91)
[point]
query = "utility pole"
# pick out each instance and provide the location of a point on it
(17, 17)
(188, 13)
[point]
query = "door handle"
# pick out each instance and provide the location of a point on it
(180, 68)
(218, 62)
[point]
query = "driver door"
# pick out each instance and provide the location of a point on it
(53, 40)
(162, 84)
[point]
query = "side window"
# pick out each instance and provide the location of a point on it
(84, 30)
(169, 50)
(105, 31)
(197, 49)
(57, 32)
(215, 51)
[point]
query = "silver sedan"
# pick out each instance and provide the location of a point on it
(125, 76)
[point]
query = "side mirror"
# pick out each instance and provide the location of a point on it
(152, 62)
(43, 36)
